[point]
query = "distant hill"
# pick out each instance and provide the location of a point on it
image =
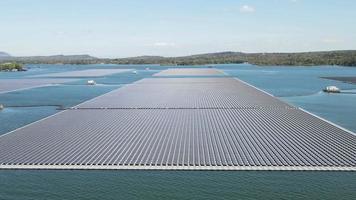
(344, 58)
(140, 60)
(55, 59)
(4, 54)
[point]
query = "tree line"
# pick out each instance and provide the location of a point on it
(343, 58)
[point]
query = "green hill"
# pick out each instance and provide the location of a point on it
(344, 58)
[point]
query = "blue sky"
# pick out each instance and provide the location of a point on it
(115, 28)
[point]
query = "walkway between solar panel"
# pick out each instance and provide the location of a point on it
(181, 123)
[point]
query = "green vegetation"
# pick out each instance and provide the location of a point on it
(11, 67)
(57, 59)
(344, 58)
(213, 58)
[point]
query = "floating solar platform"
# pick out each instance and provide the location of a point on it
(232, 139)
(85, 73)
(10, 85)
(181, 124)
(351, 79)
(193, 93)
(204, 80)
(190, 72)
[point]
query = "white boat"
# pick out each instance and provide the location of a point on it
(91, 82)
(135, 72)
(332, 89)
(1, 107)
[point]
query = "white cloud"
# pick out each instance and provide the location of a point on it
(247, 9)
(164, 44)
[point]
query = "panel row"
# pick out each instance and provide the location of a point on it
(85, 73)
(190, 72)
(186, 93)
(8, 85)
(181, 137)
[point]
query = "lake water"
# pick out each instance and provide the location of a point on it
(300, 86)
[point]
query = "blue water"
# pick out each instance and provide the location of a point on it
(300, 86)
(59, 185)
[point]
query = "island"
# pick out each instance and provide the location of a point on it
(11, 66)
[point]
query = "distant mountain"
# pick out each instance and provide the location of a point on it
(4, 54)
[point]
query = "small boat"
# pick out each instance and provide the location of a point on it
(147, 68)
(135, 72)
(91, 82)
(1, 107)
(332, 89)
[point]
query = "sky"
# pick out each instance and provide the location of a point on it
(116, 28)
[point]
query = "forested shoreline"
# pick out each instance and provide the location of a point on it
(342, 58)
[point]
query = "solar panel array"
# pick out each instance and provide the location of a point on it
(350, 79)
(8, 85)
(85, 73)
(210, 137)
(230, 126)
(186, 93)
(189, 72)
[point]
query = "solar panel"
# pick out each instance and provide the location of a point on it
(350, 79)
(190, 72)
(8, 85)
(181, 123)
(85, 73)
(186, 93)
(203, 80)
(181, 137)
